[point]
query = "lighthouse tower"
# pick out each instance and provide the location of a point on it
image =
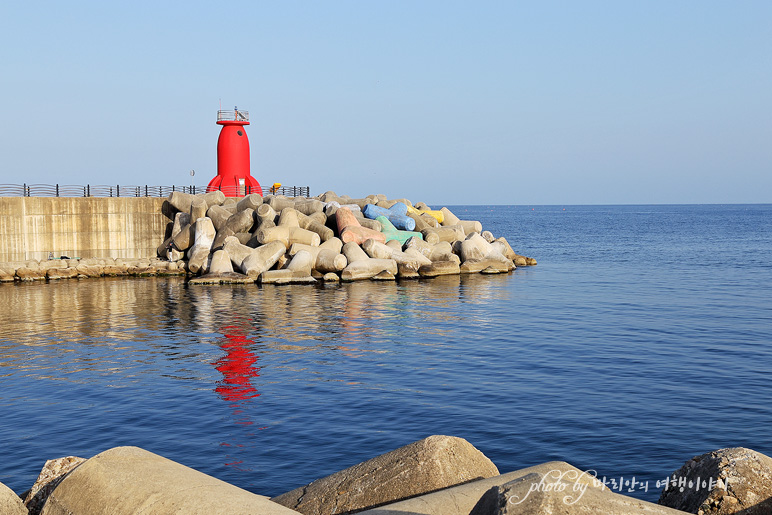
(233, 177)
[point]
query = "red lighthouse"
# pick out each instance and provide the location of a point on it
(233, 177)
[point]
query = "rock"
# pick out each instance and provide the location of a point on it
(430, 220)
(327, 256)
(236, 251)
(351, 230)
(361, 266)
(242, 221)
(53, 263)
(392, 233)
(220, 263)
(89, 270)
(733, 480)
(440, 268)
(298, 270)
(474, 247)
(396, 215)
(7, 275)
(251, 201)
(470, 226)
(423, 466)
(287, 235)
(115, 270)
(130, 480)
(449, 234)
(288, 217)
(485, 266)
(461, 499)
(52, 474)
(448, 218)
(180, 221)
(61, 273)
(315, 225)
(262, 258)
(554, 493)
(198, 208)
(214, 198)
(222, 278)
(437, 215)
(10, 503)
(181, 201)
(183, 240)
(199, 252)
(443, 251)
(280, 202)
(309, 206)
(218, 215)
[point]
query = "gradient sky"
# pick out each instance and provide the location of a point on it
(591, 102)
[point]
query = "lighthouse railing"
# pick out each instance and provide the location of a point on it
(233, 115)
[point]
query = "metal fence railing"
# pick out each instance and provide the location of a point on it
(117, 190)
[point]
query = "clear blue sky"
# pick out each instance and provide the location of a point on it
(446, 102)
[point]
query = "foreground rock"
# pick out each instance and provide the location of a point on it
(461, 499)
(426, 465)
(550, 488)
(52, 474)
(553, 493)
(10, 503)
(130, 480)
(734, 480)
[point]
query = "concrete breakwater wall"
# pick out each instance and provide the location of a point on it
(438, 475)
(36, 227)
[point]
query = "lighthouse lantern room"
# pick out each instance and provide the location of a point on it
(233, 176)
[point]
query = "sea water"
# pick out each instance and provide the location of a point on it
(641, 339)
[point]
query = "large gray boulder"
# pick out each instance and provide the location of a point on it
(424, 466)
(10, 503)
(132, 481)
(733, 480)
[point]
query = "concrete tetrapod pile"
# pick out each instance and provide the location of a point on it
(280, 240)
(438, 475)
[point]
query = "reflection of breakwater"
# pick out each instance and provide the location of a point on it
(155, 311)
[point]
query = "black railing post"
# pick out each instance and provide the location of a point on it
(24, 190)
(57, 190)
(117, 190)
(88, 189)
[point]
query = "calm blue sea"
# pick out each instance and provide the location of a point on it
(641, 339)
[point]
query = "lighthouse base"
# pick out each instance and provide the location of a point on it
(235, 186)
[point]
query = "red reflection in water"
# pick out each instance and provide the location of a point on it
(237, 367)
